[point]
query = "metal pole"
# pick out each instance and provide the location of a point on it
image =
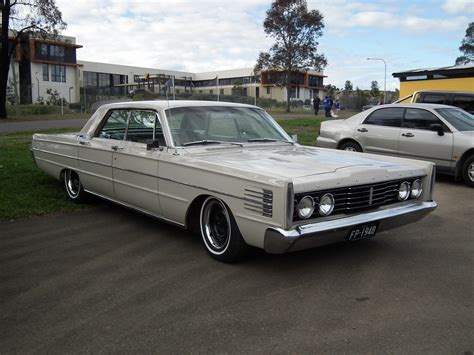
(385, 77)
(255, 82)
(38, 83)
(174, 90)
(217, 87)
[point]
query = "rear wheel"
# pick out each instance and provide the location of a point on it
(468, 171)
(350, 146)
(73, 186)
(220, 233)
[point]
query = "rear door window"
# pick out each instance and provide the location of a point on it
(391, 117)
(116, 125)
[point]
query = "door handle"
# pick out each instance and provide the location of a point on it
(116, 147)
(409, 135)
(363, 130)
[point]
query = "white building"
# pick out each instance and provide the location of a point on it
(40, 65)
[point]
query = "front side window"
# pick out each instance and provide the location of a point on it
(391, 117)
(141, 126)
(419, 119)
(222, 124)
(461, 120)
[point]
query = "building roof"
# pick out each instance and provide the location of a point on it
(454, 69)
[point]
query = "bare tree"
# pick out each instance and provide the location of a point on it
(19, 18)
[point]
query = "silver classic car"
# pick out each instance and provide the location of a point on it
(438, 133)
(230, 173)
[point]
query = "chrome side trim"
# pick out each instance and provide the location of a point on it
(54, 153)
(278, 240)
(55, 141)
(135, 186)
(136, 209)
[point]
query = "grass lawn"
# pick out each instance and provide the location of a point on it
(45, 117)
(24, 189)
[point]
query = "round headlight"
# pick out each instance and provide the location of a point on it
(305, 207)
(416, 188)
(403, 191)
(326, 204)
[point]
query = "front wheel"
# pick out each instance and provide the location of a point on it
(468, 171)
(73, 186)
(351, 147)
(220, 233)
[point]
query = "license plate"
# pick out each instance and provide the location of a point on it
(363, 231)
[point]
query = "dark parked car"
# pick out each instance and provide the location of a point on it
(464, 100)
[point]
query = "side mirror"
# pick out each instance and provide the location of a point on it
(152, 144)
(437, 128)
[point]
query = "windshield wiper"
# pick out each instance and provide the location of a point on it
(201, 142)
(208, 141)
(270, 140)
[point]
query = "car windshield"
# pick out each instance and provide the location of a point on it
(461, 120)
(222, 124)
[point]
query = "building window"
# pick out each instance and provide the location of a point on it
(45, 72)
(90, 78)
(221, 91)
(56, 51)
(58, 73)
(44, 49)
(211, 92)
(269, 90)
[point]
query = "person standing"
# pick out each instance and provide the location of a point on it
(327, 106)
(337, 107)
(316, 103)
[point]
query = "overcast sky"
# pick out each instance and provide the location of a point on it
(206, 35)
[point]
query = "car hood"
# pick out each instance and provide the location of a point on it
(290, 161)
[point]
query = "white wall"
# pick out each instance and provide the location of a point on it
(60, 87)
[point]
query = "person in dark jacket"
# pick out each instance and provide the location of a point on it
(316, 103)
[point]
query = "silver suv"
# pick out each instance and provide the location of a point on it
(438, 133)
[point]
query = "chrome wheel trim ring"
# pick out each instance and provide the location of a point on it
(73, 184)
(215, 226)
(470, 172)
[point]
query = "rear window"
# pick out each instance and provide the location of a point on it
(465, 102)
(433, 99)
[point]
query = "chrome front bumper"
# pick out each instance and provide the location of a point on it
(278, 241)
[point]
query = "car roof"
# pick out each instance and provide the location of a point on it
(418, 105)
(165, 104)
(443, 92)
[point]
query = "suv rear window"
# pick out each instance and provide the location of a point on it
(433, 99)
(464, 102)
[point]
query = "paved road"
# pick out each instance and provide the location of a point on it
(25, 126)
(107, 279)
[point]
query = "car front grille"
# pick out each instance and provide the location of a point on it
(356, 198)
